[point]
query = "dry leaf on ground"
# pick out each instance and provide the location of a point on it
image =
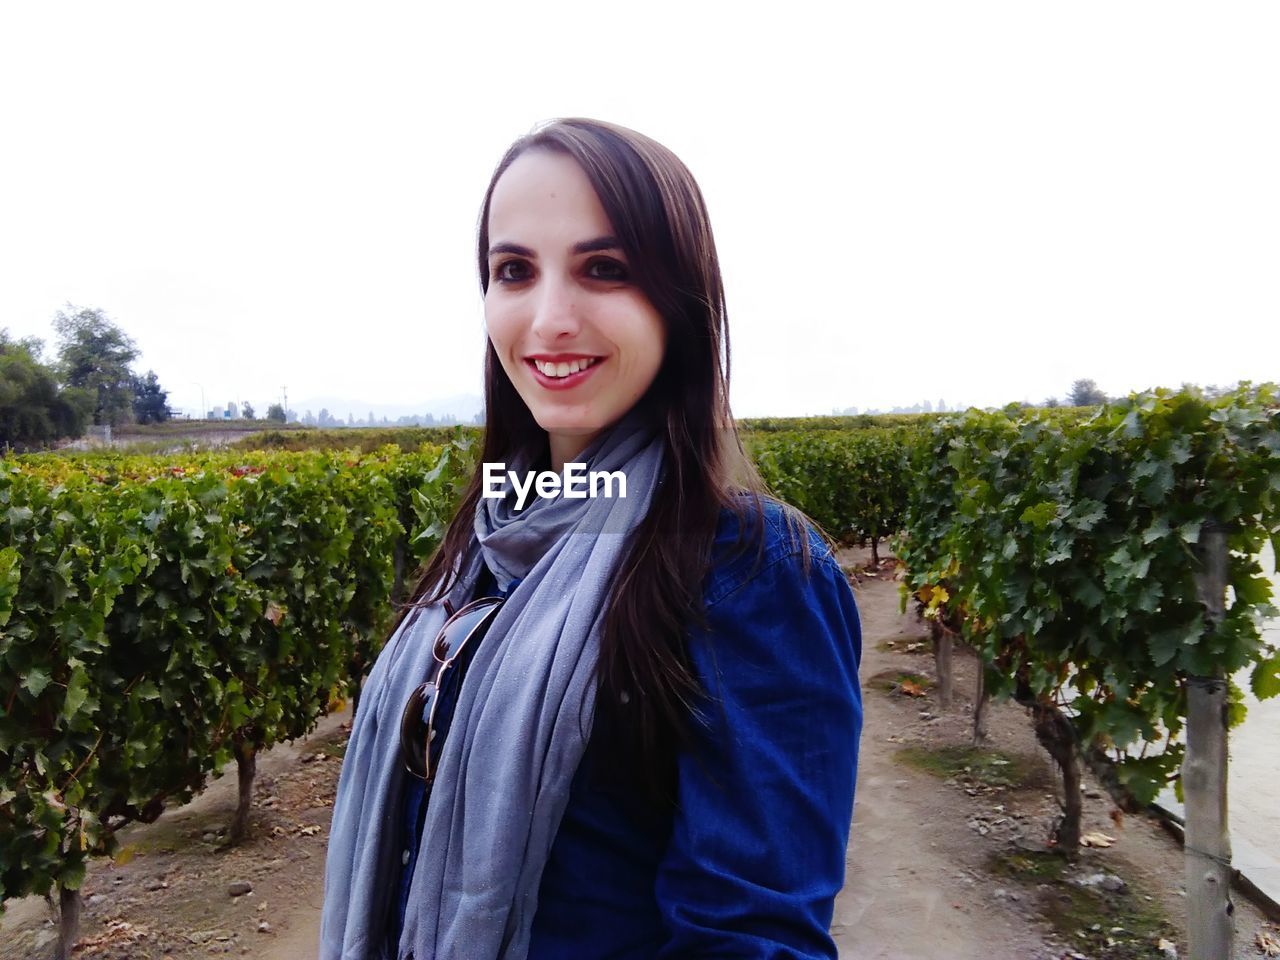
(1096, 839)
(1268, 943)
(119, 932)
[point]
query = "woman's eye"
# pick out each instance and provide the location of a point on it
(606, 269)
(512, 271)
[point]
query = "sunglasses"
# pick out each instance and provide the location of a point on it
(417, 726)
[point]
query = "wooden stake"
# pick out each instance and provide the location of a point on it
(1210, 924)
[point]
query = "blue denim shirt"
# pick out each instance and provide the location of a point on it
(751, 860)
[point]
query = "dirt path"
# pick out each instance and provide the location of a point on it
(957, 867)
(911, 888)
(944, 861)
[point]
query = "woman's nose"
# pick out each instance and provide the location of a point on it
(555, 311)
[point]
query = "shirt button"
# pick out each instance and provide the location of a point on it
(404, 858)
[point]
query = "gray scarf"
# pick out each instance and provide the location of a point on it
(517, 735)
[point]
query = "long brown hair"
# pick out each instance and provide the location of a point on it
(645, 687)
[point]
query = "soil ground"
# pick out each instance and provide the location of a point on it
(947, 855)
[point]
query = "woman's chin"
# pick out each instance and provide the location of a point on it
(569, 426)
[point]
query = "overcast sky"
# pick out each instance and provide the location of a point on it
(978, 202)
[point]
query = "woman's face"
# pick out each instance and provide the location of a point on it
(561, 300)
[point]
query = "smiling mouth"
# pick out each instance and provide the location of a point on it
(563, 369)
(563, 375)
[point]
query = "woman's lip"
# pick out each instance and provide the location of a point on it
(562, 383)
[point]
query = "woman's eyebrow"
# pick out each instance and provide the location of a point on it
(596, 245)
(512, 248)
(586, 246)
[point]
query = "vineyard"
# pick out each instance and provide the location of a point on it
(162, 616)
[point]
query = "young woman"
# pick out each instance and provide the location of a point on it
(653, 753)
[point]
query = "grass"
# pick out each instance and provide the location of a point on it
(988, 767)
(918, 645)
(1105, 925)
(334, 748)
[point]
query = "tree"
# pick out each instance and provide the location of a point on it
(94, 354)
(1052, 403)
(1085, 393)
(275, 412)
(150, 400)
(246, 410)
(34, 408)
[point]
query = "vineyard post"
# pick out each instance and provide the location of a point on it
(1204, 775)
(942, 648)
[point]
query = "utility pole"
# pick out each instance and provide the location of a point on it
(285, 390)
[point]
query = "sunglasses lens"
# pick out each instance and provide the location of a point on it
(413, 741)
(459, 628)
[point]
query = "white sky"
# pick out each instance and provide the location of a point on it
(972, 201)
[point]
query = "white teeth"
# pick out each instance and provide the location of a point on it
(558, 370)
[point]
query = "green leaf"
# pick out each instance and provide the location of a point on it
(36, 680)
(72, 876)
(1088, 593)
(77, 693)
(1265, 680)
(10, 577)
(1157, 531)
(1087, 514)
(19, 515)
(1253, 591)
(1040, 515)
(1165, 644)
